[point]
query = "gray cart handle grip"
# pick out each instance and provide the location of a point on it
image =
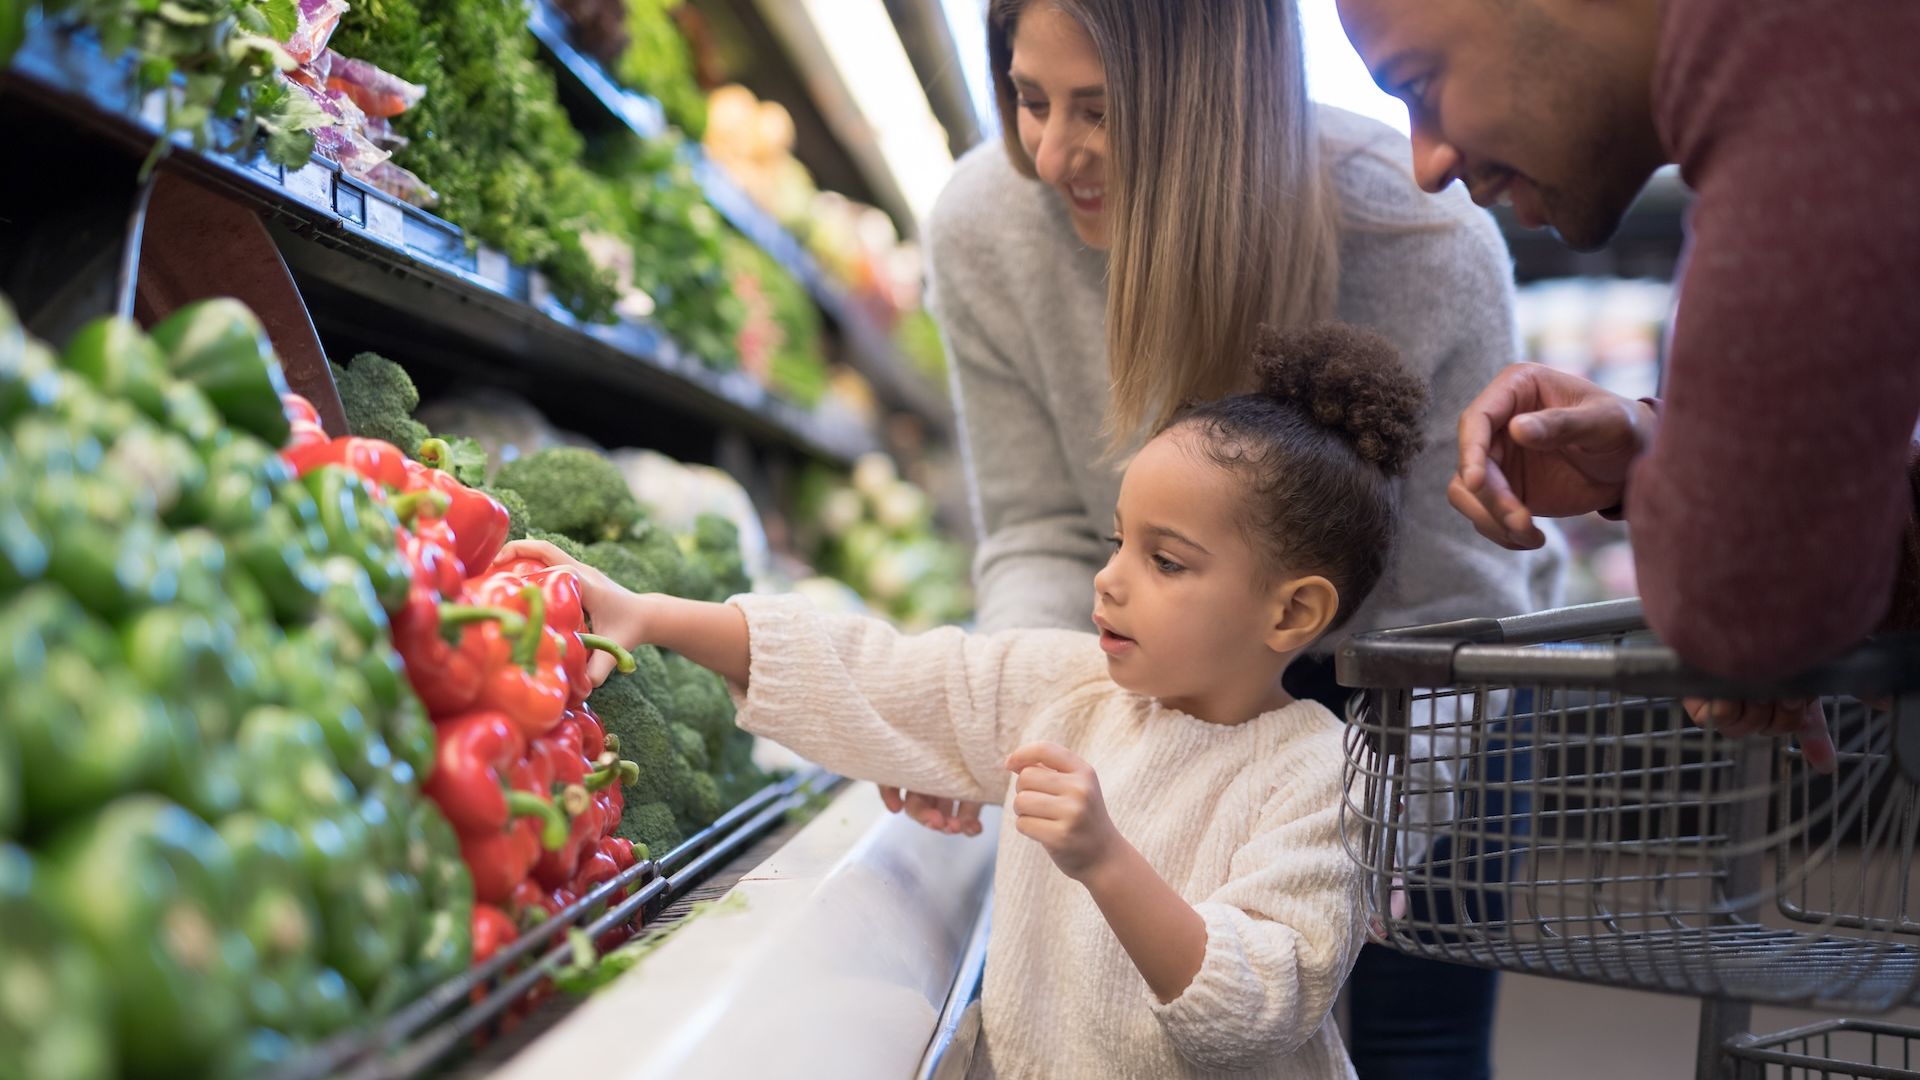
(1544, 649)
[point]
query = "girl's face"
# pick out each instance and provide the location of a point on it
(1062, 92)
(1185, 612)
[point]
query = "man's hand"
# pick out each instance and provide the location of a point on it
(1541, 442)
(1057, 802)
(955, 817)
(1805, 719)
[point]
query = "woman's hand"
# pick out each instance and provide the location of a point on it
(955, 817)
(1057, 802)
(616, 612)
(1542, 442)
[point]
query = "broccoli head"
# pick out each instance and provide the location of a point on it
(646, 739)
(660, 554)
(565, 543)
(379, 399)
(630, 567)
(651, 825)
(516, 509)
(714, 545)
(698, 698)
(572, 491)
(690, 743)
(739, 777)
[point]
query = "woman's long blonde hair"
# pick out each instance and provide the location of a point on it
(1221, 214)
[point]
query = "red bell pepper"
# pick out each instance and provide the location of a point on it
(592, 734)
(479, 522)
(428, 549)
(492, 931)
(560, 589)
(304, 420)
(448, 676)
(380, 462)
(531, 688)
(475, 757)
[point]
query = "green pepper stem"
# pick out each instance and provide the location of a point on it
(408, 504)
(622, 659)
(526, 651)
(613, 741)
(434, 453)
(553, 824)
(512, 623)
(574, 799)
(625, 772)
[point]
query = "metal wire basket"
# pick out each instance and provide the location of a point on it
(1830, 1050)
(1528, 794)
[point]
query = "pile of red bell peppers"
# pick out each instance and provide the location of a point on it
(498, 653)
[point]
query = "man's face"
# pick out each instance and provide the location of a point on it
(1542, 103)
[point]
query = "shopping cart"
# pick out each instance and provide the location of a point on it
(1528, 794)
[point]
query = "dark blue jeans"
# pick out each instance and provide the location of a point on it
(1409, 1018)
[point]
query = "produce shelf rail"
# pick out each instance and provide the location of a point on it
(867, 346)
(426, 1032)
(413, 266)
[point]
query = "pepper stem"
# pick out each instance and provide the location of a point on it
(526, 651)
(574, 798)
(613, 741)
(408, 505)
(434, 453)
(553, 823)
(622, 659)
(625, 772)
(455, 616)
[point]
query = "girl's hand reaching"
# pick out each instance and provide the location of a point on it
(614, 611)
(1057, 802)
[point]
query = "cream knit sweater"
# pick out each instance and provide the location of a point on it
(1242, 821)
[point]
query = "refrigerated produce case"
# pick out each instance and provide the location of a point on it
(121, 222)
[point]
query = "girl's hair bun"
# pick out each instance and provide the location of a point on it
(1350, 381)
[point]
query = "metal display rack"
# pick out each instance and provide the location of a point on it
(437, 1025)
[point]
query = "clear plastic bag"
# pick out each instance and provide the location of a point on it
(317, 20)
(378, 93)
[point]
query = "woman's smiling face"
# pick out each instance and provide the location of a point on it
(1062, 95)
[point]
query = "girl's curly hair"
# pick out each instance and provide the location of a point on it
(1335, 420)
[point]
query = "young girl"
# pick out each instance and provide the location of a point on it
(1178, 900)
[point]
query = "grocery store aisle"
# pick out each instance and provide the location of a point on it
(1547, 1028)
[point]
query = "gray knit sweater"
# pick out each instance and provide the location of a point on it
(1022, 303)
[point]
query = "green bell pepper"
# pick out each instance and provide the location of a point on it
(290, 777)
(274, 552)
(219, 346)
(149, 887)
(117, 359)
(367, 923)
(328, 1004)
(189, 413)
(361, 527)
(278, 915)
(53, 993)
(23, 551)
(86, 730)
(10, 812)
(242, 476)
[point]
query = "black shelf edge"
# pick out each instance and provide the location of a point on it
(418, 266)
(868, 348)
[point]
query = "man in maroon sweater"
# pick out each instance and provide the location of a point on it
(1769, 490)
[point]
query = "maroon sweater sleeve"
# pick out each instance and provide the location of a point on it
(1769, 517)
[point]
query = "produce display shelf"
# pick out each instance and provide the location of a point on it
(382, 256)
(867, 346)
(424, 1035)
